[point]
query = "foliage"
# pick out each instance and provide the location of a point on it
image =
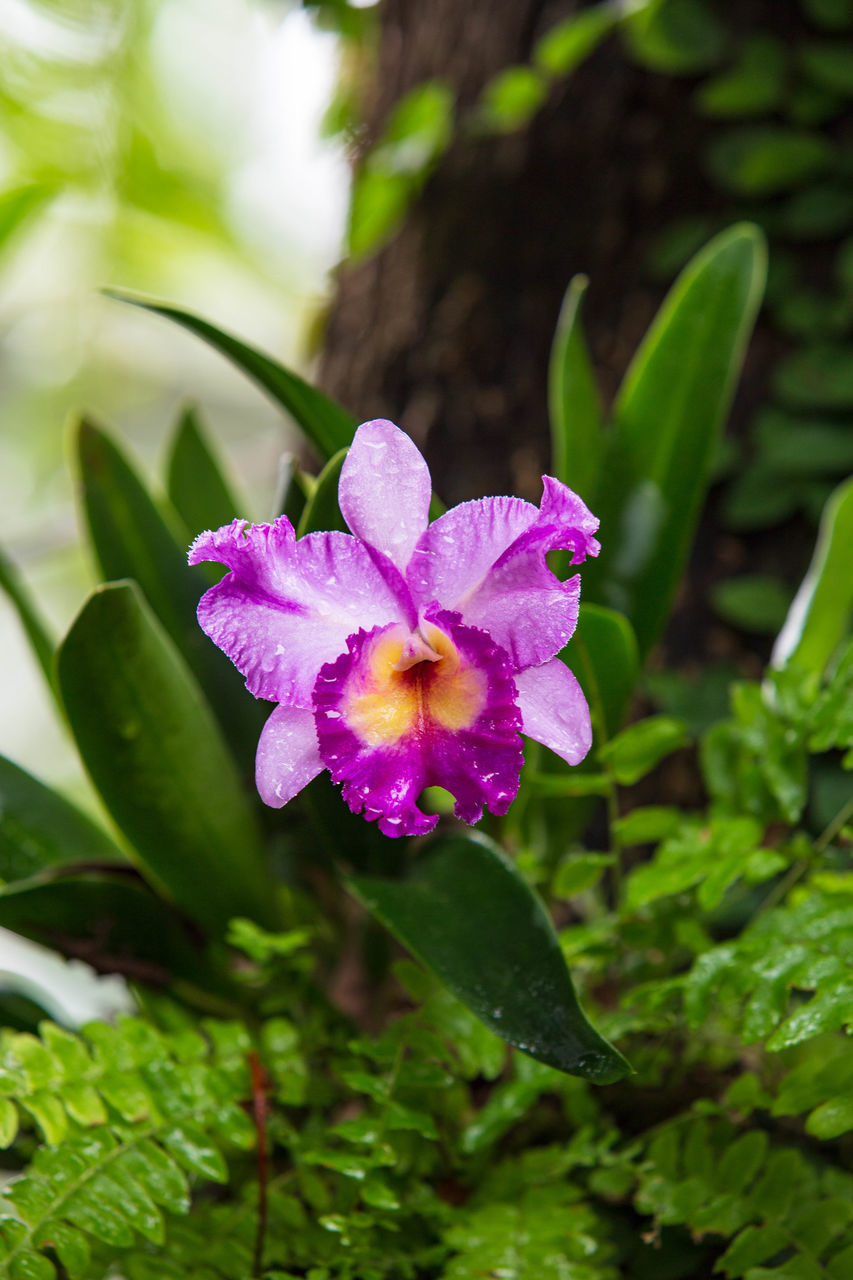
(240, 1124)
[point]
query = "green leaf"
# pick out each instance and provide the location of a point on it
(603, 656)
(322, 510)
(819, 377)
(197, 487)
(40, 828)
(678, 37)
(326, 424)
(834, 15)
(511, 98)
(417, 132)
(115, 924)
(132, 539)
(829, 64)
(156, 755)
(668, 416)
(35, 629)
(638, 749)
(803, 446)
(752, 86)
(568, 43)
(577, 442)
(19, 206)
(753, 602)
(461, 894)
(819, 617)
(765, 160)
(578, 872)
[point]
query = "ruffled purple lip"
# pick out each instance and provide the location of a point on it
(459, 730)
(301, 619)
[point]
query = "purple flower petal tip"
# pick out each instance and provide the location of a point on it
(405, 655)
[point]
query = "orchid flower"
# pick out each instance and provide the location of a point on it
(407, 654)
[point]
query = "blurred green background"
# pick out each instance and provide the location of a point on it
(172, 147)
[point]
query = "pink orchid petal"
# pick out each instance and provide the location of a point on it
(384, 490)
(554, 710)
(287, 607)
(288, 755)
(487, 560)
(458, 549)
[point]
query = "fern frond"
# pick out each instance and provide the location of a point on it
(781, 1213)
(127, 1113)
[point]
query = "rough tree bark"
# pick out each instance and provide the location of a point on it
(447, 330)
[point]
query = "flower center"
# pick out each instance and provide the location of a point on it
(406, 682)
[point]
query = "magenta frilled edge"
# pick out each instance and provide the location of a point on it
(406, 654)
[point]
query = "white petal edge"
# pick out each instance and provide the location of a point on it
(554, 710)
(288, 756)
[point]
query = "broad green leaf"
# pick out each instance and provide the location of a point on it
(326, 424)
(819, 617)
(132, 539)
(156, 755)
(40, 828)
(577, 442)
(322, 510)
(35, 629)
(569, 42)
(603, 656)
(765, 160)
(197, 487)
(460, 895)
(638, 749)
(668, 419)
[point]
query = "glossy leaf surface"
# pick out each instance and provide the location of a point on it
(156, 755)
(462, 898)
(199, 491)
(40, 828)
(668, 418)
(326, 424)
(820, 614)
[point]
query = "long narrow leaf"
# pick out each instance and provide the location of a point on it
(577, 442)
(35, 629)
(326, 424)
(819, 617)
(668, 418)
(158, 759)
(195, 481)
